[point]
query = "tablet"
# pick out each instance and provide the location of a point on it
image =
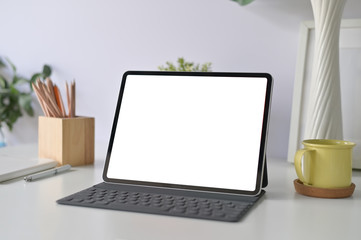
(192, 131)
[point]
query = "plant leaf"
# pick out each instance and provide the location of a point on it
(10, 125)
(21, 81)
(14, 92)
(3, 82)
(12, 117)
(2, 64)
(206, 67)
(243, 2)
(15, 79)
(34, 77)
(46, 71)
(12, 65)
(25, 103)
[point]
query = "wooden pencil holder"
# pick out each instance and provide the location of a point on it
(67, 140)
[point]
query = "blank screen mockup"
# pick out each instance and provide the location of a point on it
(189, 130)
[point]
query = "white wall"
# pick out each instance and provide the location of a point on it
(96, 41)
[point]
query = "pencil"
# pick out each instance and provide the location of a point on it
(42, 104)
(59, 100)
(68, 99)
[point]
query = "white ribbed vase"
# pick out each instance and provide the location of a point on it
(324, 117)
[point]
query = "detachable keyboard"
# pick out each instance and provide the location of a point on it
(163, 201)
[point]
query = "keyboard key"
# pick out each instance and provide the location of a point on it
(192, 211)
(205, 213)
(219, 214)
(101, 203)
(178, 210)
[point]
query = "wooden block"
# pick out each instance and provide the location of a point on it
(67, 140)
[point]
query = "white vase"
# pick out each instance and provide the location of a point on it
(324, 117)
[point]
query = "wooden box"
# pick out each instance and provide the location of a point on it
(67, 140)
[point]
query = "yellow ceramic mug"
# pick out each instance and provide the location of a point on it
(326, 163)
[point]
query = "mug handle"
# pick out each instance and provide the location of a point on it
(298, 164)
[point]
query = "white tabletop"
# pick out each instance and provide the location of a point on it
(28, 210)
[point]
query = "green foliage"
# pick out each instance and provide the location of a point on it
(13, 99)
(184, 66)
(243, 2)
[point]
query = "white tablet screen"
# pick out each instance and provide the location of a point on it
(190, 130)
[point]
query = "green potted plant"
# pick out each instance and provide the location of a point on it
(184, 66)
(243, 2)
(15, 94)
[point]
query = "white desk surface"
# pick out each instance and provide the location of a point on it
(28, 211)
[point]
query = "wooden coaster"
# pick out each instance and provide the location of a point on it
(323, 192)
